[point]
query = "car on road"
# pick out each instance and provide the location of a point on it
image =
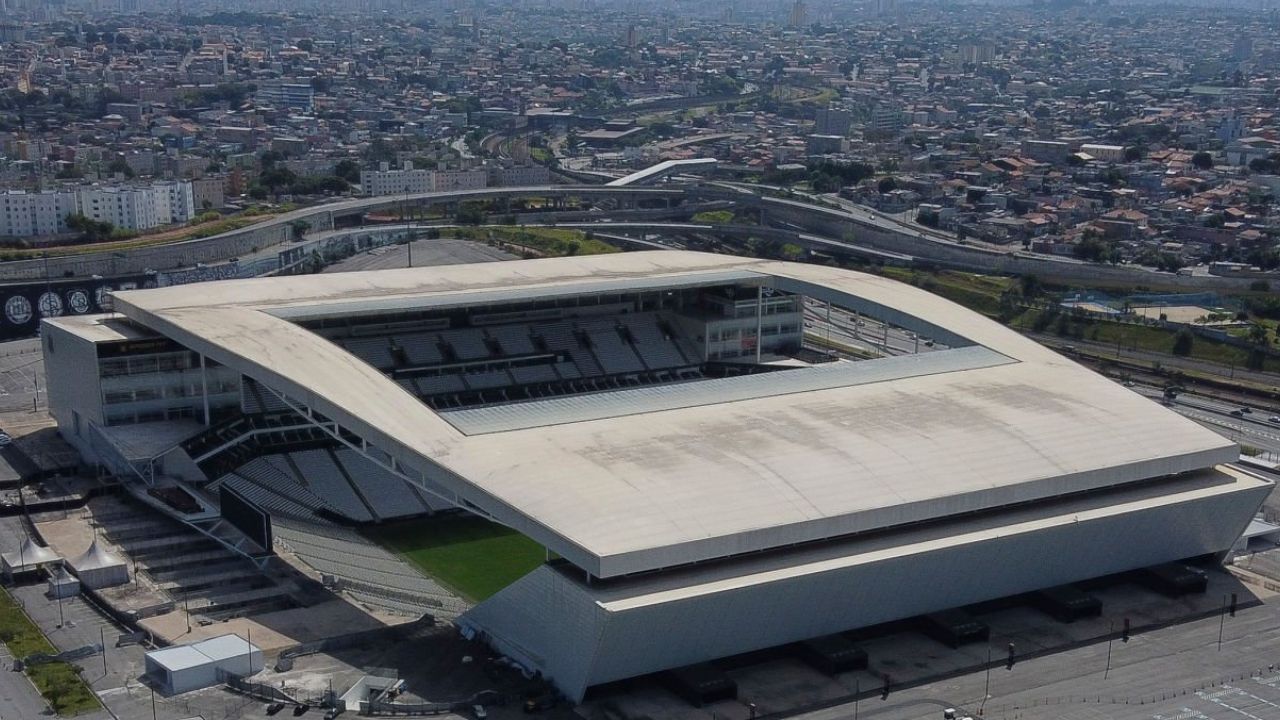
(1246, 410)
(1237, 413)
(1274, 419)
(479, 712)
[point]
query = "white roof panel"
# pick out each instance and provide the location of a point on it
(225, 647)
(619, 493)
(178, 657)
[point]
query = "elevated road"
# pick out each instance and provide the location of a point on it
(283, 228)
(815, 222)
(661, 170)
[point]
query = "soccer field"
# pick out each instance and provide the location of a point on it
(472, 556)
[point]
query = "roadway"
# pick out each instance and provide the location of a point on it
(863, 332)
(1254, 428)
(1165, 361)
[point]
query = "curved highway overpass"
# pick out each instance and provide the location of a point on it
(864, 232)
(280, 229)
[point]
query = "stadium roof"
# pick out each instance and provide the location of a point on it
(621, 492)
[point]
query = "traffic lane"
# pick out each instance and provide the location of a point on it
(873, 331)
(1246, 413)
(1265, 437)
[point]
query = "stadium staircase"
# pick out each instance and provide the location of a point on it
(193, 569)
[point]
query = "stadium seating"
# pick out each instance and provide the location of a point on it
(468, 343)
(656, 349)
(374, 350)
(262, 472)
(568, 370)
(513, 339)
(274, 501)
(390, 496)
(420, 349)
(327, 481)
(487, 380)
(435, 384)
(615, 356)
(373, 575)
(533, 374)
(258, 400)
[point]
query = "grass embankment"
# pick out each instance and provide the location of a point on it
(159, 237)
(542, 241)
(976, 292)
(714, 217)
(468, 554)
(1128, 336)
(982, 293)
(58, 682)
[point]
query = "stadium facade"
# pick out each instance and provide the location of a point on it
(703, 487)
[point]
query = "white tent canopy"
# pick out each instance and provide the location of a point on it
(98, 568)
(29, 556)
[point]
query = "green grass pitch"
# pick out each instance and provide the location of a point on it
(468, 554)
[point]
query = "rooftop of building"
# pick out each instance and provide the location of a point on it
(620, 483)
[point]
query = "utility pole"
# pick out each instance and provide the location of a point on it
(986, 691)
(1111, 637)
(61, 621)
(1222, 621)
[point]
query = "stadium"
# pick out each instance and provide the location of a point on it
(681, 470)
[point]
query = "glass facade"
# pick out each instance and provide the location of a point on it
(153, 387)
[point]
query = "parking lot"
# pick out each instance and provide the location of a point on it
(1170, 665)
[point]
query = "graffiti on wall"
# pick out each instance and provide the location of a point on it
(25, 304)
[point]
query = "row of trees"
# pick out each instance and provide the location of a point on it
(90, 230)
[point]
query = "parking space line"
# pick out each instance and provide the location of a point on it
(1216, 699)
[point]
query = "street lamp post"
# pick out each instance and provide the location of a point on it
(986, 690)
(1111, 638)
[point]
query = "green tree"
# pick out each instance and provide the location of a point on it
(1182, 342)
(470, 214)
(1258, 334)
(119, 165)
(1030, 286)
(277, 177)
(90, 230)
(348, 170)
(1202, 160)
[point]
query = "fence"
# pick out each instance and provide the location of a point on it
(268, 693)
(1004, 710)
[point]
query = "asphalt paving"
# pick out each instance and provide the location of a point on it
(1176, 672)
(425, 253)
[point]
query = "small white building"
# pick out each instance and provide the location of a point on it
(183, 668)
(1105, 153)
